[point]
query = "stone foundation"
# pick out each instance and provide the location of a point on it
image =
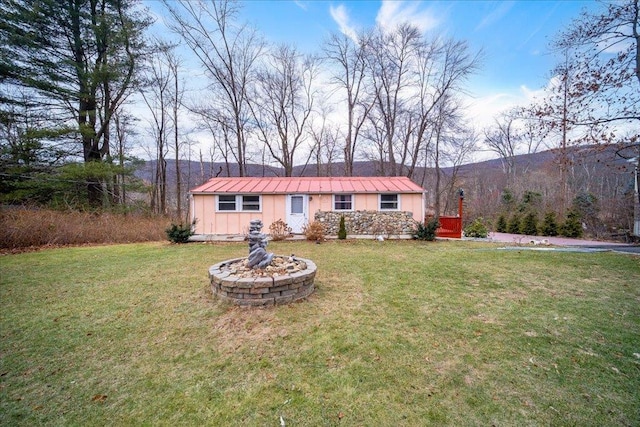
(261, 291)
(368, 222)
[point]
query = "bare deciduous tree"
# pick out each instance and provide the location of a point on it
(513, 132)
(446, 125)
(283, 102)
(177, 94)
(557, 116)
(443, 67)
(158, 98)
(411, 76)
(503, 139)
(228, 54)
(349, 76)
(603, 51)
(124, 130)
(604, 55)
(391, 57)
(326, 142)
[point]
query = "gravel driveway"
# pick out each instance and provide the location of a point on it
(563, 241)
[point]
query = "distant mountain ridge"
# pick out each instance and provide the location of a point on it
(199, 172)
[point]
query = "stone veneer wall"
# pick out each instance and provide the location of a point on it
(368, 222)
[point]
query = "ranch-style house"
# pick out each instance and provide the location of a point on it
(370, 205)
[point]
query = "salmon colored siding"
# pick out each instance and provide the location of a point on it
(211, 221)
(369, 202)
(274, 207)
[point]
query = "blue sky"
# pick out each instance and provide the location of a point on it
(514, 35)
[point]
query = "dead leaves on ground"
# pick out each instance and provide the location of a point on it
(100, 398)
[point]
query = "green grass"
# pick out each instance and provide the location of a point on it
(397, 333)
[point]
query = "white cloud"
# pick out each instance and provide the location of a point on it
(496, 14)
(302, 4)
(341, 17)
(532, 95)
(482, 110)
(392, 13)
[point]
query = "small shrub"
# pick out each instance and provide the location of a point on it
(426, 231)
(314, 231)
(279, 230)
(529, 225)
(179, 233)
(572, 226)
(549, 225)
(342, 230)
(501, 225)
(514, 224)
(476, 229)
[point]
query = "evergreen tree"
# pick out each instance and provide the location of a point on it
(529, 225)
(549, 225)
(531, 201)
(426, 231)
(507, 198)
(587, 208)
(476, 229)
(77, 60)
(572, 226)
(342, 230)
(514, 224)
(501, 225)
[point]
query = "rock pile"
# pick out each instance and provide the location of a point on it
(280, 266)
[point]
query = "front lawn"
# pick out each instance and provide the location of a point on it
(397, 333)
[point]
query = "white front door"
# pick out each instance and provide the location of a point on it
(297, 212)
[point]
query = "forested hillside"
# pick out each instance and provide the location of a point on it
(87, 86)
(602, 174)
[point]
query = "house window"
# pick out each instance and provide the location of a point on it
(238, 203)
(251, 203)
(297, 205)
(389, 202)
(342, 202)
(226, 203)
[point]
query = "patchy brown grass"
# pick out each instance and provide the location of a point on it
(450, 334)
(23, 228)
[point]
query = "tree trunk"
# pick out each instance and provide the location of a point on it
(177, 145)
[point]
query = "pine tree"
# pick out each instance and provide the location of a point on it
(529, 225)
(342, 231)
(514, 224)
(78, 61)
(549, 225)
(572, 226)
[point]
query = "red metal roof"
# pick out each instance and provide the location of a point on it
(308, 185)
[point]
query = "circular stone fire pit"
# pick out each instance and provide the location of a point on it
(285, 280)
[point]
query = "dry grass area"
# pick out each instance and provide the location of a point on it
(22, 228)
